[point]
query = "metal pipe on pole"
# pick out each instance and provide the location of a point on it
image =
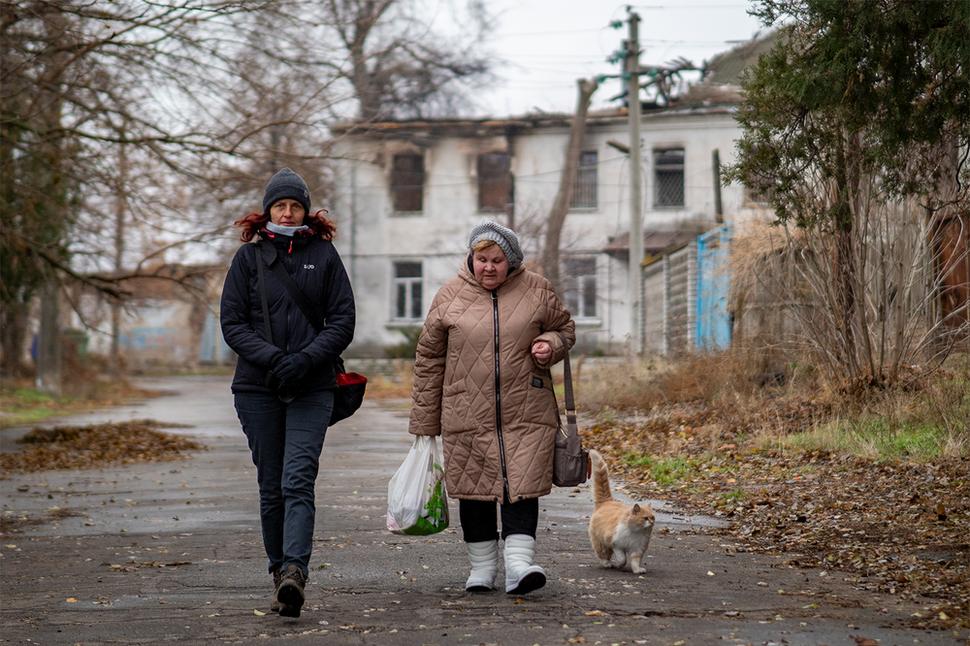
(636, 199)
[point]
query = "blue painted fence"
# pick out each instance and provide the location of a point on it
(712, 319)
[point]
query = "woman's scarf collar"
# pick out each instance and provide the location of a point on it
(285, 230)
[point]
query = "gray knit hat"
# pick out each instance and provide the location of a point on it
(504, 237)
(286, 184)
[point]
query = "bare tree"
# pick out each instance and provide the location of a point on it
(80, 80)
(903, 261)
(400, 65)
(560, 207)
(152, 124)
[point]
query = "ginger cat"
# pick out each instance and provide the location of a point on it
(619, 533)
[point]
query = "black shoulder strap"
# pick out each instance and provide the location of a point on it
(262, 294)
(295, 292)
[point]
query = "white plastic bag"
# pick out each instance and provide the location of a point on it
(416, 500)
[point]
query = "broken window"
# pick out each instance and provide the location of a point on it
(668, 175)
(495, 182)
(584, 188)
(407, 182)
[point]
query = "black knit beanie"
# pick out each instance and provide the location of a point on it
(286, 184)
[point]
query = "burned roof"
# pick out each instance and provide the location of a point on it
(490, 126)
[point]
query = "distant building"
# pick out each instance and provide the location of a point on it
(171, 320)
(408, 192)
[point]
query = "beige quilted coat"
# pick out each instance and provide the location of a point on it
(455, 374)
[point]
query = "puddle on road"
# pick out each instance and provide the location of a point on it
(578, 506)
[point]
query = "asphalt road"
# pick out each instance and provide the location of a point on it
(171, 552)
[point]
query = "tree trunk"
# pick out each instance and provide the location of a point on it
(13, 332)
(950, 234)
(49, 342)
(560, 207)
(53, 206)
(121, 213)
(845, 270)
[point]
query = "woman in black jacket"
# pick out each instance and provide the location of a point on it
(285, 375)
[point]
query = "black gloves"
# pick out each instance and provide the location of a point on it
(291, 368)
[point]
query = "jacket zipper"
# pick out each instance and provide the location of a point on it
(498, 400)
(289, 309)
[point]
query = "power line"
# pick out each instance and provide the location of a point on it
(551, 33)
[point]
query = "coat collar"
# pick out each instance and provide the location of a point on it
(466, 274)
(272, 245)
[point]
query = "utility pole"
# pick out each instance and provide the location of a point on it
(636, 199)
(716, 164)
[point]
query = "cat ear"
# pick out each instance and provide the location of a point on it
(636, 508)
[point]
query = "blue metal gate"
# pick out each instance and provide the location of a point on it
(713, 321)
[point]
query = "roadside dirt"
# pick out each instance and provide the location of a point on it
(894, 527)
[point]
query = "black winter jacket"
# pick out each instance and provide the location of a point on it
(316, 268)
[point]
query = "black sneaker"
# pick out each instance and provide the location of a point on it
(290, 591)
(277, 579)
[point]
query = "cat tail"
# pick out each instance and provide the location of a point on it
(601, 479)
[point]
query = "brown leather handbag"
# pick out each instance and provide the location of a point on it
(570, 462)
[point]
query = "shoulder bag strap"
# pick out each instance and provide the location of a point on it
(568, 387)
(261, 284)
(295, 292)
(567, 378)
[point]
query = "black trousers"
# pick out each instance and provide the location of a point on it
(479, 523)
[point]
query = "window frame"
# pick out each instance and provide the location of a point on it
(408, 283)
(397, 188)
(575, 285)
(661, 167)
(587, 176)
(505, 179)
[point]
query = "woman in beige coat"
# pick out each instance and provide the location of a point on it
(482, 382)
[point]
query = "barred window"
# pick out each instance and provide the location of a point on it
(407, 182)
(584, 187)
(579, 286)
(495, 182)
(407, 291)
(668, 175)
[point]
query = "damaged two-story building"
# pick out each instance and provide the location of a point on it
(408, 193)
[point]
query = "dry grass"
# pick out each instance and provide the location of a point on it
(21, 404)
(719, 379)
(864, 483)
(397, 386)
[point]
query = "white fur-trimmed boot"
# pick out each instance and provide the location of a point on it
(483, 557)
(521, 574)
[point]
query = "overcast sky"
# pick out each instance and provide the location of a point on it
(548, 44)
